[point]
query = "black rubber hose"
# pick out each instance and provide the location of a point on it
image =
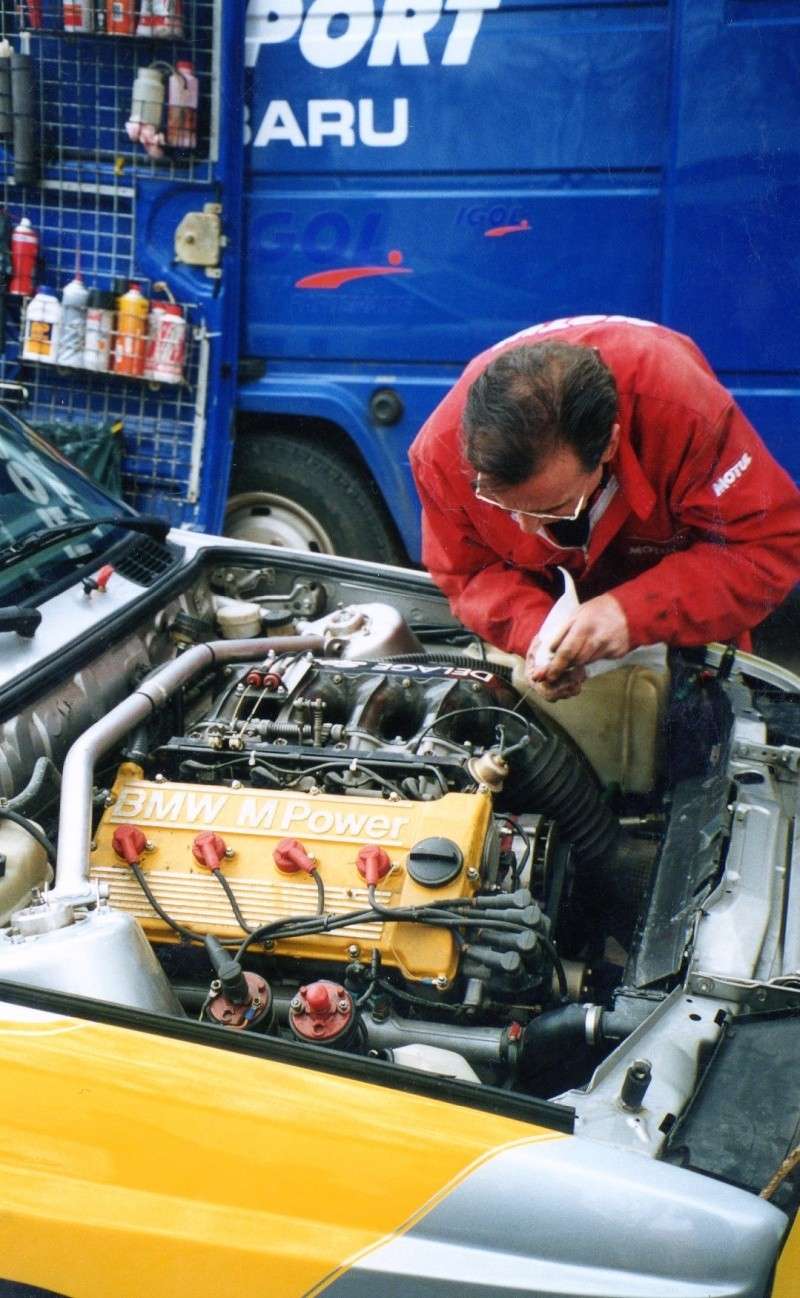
(551, 1039)
(553, 779)
(43, 769)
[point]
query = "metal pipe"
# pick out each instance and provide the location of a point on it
(75, 820)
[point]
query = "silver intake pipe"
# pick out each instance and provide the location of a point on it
(75, 819)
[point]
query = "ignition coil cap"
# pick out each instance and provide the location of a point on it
(434, 862)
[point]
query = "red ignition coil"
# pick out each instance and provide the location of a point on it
(290, 856)
(372, 863)
(129, 842)
(324, 1012)
(208, 849)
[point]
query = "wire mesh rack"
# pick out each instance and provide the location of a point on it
(83, 206)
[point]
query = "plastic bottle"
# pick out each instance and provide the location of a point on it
(24, 256)
(182, 107)
(121, 17)
(78, 15)
(97, 348)
(147, 108)
(129, 352)
(42, 327)
(74, 300)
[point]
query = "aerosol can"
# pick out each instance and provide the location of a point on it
(42, 327)
(162, 18)
(24, 256)
(166, 343)
(74, 301)
(121, 17)
(129, 352)
(79, 16)
(98, 344)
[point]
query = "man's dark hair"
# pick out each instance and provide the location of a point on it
(531, 401)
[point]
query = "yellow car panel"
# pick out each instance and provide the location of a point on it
(135, 1164)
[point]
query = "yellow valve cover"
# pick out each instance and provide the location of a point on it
(251, 823)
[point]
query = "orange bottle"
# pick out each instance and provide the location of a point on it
(131, 341)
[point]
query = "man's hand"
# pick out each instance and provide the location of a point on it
(599, 629)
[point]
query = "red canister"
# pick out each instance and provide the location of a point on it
(24, 256)
(166, 352)
(120, 17)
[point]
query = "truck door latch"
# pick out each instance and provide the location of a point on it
(199, 239)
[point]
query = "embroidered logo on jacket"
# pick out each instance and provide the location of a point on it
(731, 475)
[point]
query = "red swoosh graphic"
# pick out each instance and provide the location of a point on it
(497, 231)
(335, 278)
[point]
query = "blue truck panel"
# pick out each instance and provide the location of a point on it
(451, 270)
(425, 179)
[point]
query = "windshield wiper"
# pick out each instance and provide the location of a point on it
(16, 550)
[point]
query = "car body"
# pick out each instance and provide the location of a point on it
(332, 963)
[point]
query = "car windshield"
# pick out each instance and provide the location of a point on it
(39, 489)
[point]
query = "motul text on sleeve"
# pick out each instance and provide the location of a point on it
(700, 535)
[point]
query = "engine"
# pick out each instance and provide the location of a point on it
(386, 852)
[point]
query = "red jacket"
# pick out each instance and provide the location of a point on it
(697, 531)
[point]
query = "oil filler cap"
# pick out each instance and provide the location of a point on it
(433, 862)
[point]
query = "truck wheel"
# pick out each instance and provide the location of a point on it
(311, 499)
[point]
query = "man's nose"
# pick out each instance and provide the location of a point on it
(527, 524)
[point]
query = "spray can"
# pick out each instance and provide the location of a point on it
(161, 18)
(132, 309)
(120, 17)
(99, 331)
(166, 344)
(31, 13)
(78, 15)
(147, 107)
(153, 322)
(73, 323)
(6, 117)
(182, 107)
(42, 327)
(26, 159)
(24, 256)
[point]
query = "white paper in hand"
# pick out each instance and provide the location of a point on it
(560, 614)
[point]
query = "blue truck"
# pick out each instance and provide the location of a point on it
(416, 181)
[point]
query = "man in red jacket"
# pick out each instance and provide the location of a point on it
(604, 445)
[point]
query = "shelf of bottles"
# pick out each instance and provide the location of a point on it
(105, 104)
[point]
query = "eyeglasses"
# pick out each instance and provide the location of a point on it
(528, 513)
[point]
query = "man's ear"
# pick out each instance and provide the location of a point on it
(613, 443)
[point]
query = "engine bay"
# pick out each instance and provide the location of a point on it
(354, 830)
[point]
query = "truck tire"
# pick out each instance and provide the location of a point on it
(295, 493)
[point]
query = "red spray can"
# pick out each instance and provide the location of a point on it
(78, 15)
(31, 14)
(120, 17)
(24, 256)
